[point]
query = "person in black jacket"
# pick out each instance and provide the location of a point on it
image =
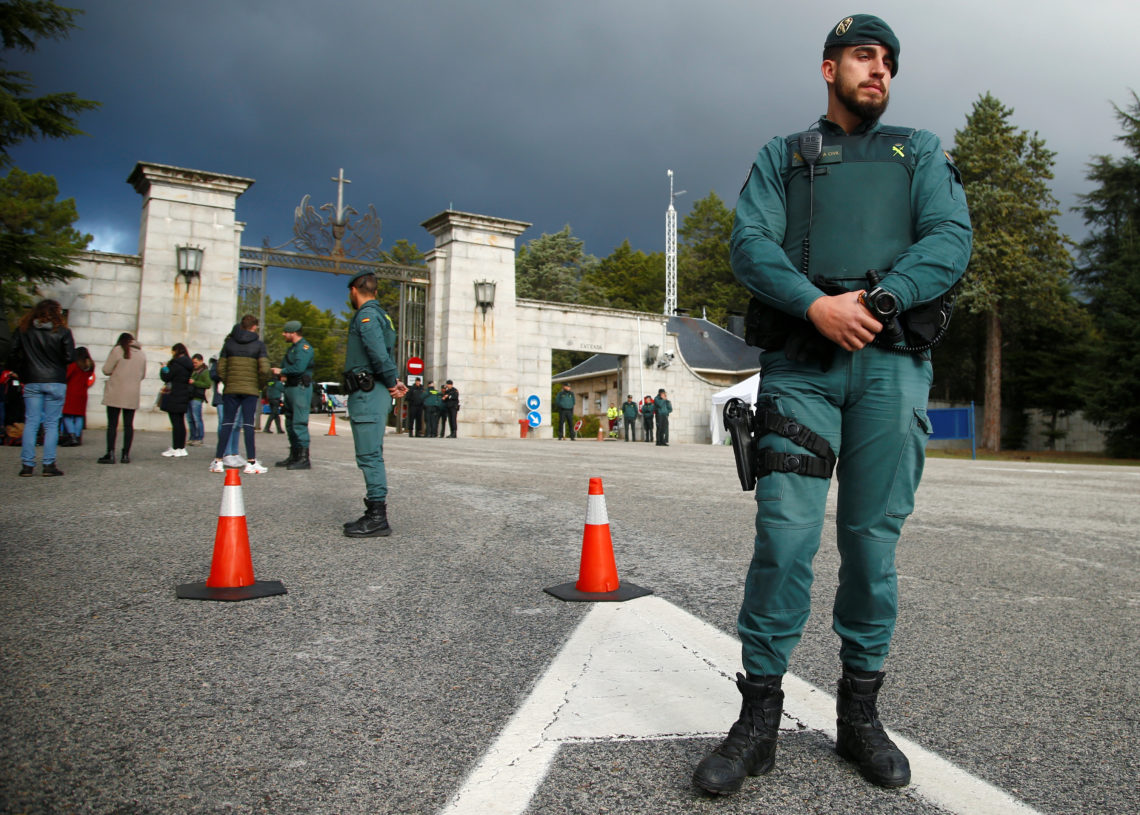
(41, 350)
(415, 402)
(177, 375)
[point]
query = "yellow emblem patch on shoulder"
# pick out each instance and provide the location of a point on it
(305, 347)
(366, 319)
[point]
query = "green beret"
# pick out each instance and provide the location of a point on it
(292, 327)
(865, 29)
(352, 280)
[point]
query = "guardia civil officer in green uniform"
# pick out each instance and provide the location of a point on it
(810, 223)
(297, 369)
(371, 383)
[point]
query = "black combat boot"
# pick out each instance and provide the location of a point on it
(294, 451)
(301, 462)
(107, 459)
(372, 524)
(861, 738)
(750, 747)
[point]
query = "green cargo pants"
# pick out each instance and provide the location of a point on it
(298, 401)
(368, 415)
(871, 408)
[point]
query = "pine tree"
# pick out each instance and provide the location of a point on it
(37, 240)
(1019, 254)
(1110, 271)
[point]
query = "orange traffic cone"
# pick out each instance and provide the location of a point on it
(231, 571)
(597, 571)
(332, 426)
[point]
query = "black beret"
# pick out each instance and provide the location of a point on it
(865, 29)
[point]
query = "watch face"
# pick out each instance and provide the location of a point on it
(885, 302)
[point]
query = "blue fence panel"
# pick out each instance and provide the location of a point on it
(953, 423)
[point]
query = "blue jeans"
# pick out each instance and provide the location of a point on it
(73, 425)
(240, 409)
(232, 444)
(194, 416)
(43, 404)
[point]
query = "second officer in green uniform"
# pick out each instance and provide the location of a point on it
(371, 384)
(297, 369)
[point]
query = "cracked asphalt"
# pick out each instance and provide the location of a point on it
(379, 680)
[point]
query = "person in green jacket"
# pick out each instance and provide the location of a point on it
(243, 367)
(841, 389)
(564, 403)
(371, 383)
(629, 417)
(297, 371)
(433, 409)
(662, 407)
(200, 384)
(647, 417)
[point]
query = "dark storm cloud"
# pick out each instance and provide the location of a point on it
(544, 112)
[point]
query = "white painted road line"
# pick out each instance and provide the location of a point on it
(645, 669)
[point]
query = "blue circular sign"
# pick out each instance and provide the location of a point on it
(533, 401)
(534, 418)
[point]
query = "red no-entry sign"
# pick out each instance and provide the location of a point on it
(415, 366)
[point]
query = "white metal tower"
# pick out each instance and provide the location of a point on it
(671, 251)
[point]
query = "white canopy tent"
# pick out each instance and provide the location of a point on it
(745, 390)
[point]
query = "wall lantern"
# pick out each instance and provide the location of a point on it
(651, 355)
(485, 295)
(189, 263)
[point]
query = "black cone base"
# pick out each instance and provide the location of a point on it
(570, 594)
(260, 588)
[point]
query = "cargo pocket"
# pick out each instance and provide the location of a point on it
(908, 470)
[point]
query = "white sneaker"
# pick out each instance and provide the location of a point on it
(253, 468)
(180, 452)
(170, 452)
(234, 461)
(216, 466)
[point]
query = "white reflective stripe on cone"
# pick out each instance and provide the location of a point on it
(596, 510)
(232, 503)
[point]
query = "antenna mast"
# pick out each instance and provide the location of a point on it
(671, 251)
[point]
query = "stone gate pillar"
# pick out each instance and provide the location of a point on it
(479, 352)
(187, 207)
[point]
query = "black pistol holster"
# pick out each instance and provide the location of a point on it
(746, 428)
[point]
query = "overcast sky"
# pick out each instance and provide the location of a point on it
(551, 113)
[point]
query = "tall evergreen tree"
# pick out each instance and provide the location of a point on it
(704, 272)
(1019, 254)
(553, 267)
(37, 240)
(1110, 271)
(630, 279)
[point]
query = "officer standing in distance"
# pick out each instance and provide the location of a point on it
(647, 417)
(297, 369)
(662, 407)
(371, 384)
(564, 403)
(629, 417)
(820, 210)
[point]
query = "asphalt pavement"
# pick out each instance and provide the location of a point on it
(381, 680)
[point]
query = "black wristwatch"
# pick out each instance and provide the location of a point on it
(881, 303)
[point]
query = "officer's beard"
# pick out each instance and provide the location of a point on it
(847, 94)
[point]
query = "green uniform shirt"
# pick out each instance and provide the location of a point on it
(299, 359)
(371, 343)
(647, 408)
(565, 400)
(662, 406)
(861, 181)
(629, 410)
